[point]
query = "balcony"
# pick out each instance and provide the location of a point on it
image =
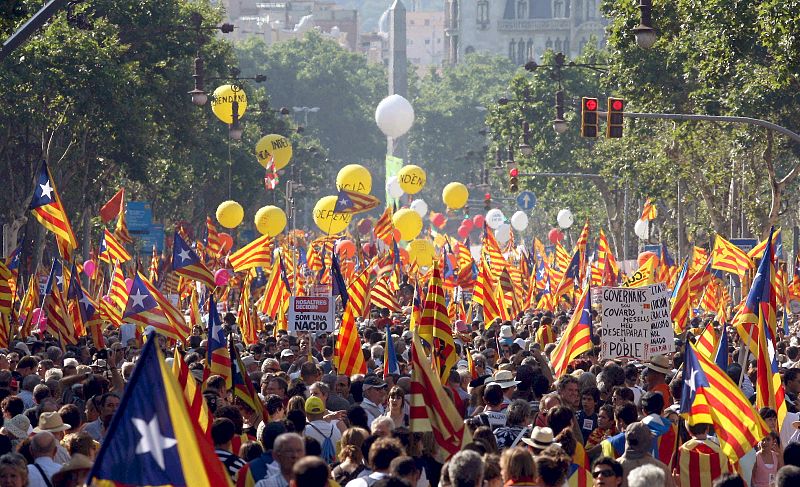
(529, 25)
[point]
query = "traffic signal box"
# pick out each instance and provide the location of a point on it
(513, 180)
(614, 120)
(487, 202)
(589, 117)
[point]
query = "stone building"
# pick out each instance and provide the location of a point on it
(520, 29)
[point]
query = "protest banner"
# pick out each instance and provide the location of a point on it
(636, 323)
(313, 314)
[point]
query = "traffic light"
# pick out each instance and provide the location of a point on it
(487, 202)
(616, 107)
(588, 117)
(513, 180)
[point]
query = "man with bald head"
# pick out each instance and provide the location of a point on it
(43, 450)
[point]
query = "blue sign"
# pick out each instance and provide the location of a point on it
(746, 244)
(526, 200)
(154, 236)
(138, 216)
(656, 249)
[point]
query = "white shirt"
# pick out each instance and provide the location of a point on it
(321, 429)
(373, 410)
(365, 481)
(48, 465)
(277, 480)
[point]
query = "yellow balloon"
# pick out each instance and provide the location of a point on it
(422, 251)
(455, 195)
(222, 102)
(277, 146)
(270, 220)
(354, 177)
(325, 218)
(230, 214)
(408, 223)
(411, 178)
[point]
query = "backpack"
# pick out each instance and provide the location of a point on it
(328, 448)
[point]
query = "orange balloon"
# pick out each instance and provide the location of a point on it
(645, 256)
(346, 249)
(225, 242)
(396, 234)
(403, 255)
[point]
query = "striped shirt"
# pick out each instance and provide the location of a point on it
(232, 462)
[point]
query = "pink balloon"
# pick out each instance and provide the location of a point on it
(463, 231)
(39, 319)
(128, 284)
(221, 277)
(89, 267)
(468, 224)
(478, 221)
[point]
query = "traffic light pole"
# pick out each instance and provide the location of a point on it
(718, 118)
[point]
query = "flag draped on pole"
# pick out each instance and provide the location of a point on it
(577, 336)
(348, 346)
(213, 240)
(443, 350)
(384, 227)
(707, 342)
(710, 396)
(195, 402)
(111, 209)
(218, 358)
(353, 202)
(680, 311)
(46, 207)
(145, 310)
(186, 263)
(649, 211)
(431, 409)
(152, 439)
(243, 389)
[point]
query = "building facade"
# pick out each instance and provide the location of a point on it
(522, 30)
(425, 39)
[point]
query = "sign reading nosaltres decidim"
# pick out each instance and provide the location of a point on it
(636, 323)
(314, 314)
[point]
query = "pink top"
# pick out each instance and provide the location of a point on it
(764, 473)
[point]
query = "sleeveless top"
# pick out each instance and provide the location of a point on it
(764, 473)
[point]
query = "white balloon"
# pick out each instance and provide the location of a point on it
(503, 233)
(393, 187)
(642, 229)
(519, 221)
(565, 218)
(394, 116)
(420, 207)
(494, 218)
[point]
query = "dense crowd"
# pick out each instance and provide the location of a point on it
(612, 423)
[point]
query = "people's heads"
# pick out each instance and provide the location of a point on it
(518, 413)
(375, 389)
(315, 408)
(382, 426)
(43, 444)
(406, 468)
(791, 454)
(484, 435)
(791, 380)
(493, 395)
(310, 372)
(607, 472)
(13, 470)
(320, 389)
(268, 434)
(770, 417)
(222, 431)
(397, 397)
(275, 385)
(590, 396)
(568, 389)
(81, 442)
(652, 403)
(382, 452)
(646, 476)
(770, 440)
(357, 416)
(560, 418)
(27, 365)
(638, 439)
(465, 469)
(621, 394)
(310, 472)
(288, 449)
(788, 476)
(517, 463)
(552, 466)
(729, 480)
(351, 443)
(343, 385)
(625, 414)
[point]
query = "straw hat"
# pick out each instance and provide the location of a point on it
(17, 427)
(76, 463)
(541, 437)
(51, 422)
(659, 363)
(503, 378)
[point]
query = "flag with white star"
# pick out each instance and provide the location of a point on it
(47, 208)
(152, 439)
(186, 262)
(354, 202)
(144, 309)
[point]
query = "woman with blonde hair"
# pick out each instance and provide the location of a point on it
(517, 467)
(351, 459)
(13, 470)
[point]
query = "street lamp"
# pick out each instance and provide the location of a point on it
(644, 32)
(559, 124)
(198, 94)
(305, 110)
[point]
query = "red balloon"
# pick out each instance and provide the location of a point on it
(479, 220)
(346, 249)
(467, 223)
(645, 256)
(555, 236)
(225, 242)
(438, 220)
(396, 234)
(463, 231)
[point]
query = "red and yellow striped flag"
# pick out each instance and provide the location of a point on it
(111, 250)
(707, 342)
(444, 348)
(195, 402)
(577, 336)
(649, 211)
(213, 241)
(46, 207)
(276, 295)
(358, 293)
(257, 253)
(348, 346)
(121, 228)
(729, 258)
(382, 295)
(384, 228)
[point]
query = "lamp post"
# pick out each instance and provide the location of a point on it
(235, 129)
(306, 111)
(644, 32)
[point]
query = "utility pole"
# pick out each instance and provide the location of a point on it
(398, 70)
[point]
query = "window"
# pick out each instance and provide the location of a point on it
(558, 6)
(482, 16)
(522, 9)
(548, 44)
(529, 49)
(512, 50)
(557, 45)
(521, 52)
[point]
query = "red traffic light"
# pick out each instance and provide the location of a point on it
(591, 104)
(514, 172)
(617, 105)
(487, 196)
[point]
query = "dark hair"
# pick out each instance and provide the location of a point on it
(493, 394)
(591, 391)
(626, 413)
(383, 451)
(222, 430)
(311, 471)
(787, 476)
(403, 466)
(698, 429)
(273, 403)
(13, 404)
(552, 465)
(298, 420)
(391, 482)
(623, 392)
(250, 450)
(609, 462)
(652, 402)
(268, 434)
(729, 480)
(559, 418)
(232, 413)
(313, 448)
(767, 413)
(790, 375)
(791, 454)
(71, 415)
(358, 417)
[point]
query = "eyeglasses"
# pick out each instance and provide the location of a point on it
(603, 473)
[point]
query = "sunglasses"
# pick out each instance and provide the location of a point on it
(603, 473)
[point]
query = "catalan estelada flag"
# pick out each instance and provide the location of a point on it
(46, 206)
(680, 302)
(111, 249)
(186, 262)
(218, 359)
(729, 258)
(348, 346)
(710, 396)
(354, 202)
(577, 337)
(649, 211)
(152, 439)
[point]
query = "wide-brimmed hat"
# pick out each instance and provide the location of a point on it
(51, 422)
(503, 378)
(17, 426)
(506, 332)
(659, 363)
(541, 437)
(78, 461)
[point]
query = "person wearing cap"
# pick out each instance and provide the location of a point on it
(317, 427)
(541, 437)
(52, 423)
(374, 390)
(657, 370)
(505, 379)
(16, 429)
(638, 445)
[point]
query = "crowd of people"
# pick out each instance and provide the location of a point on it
(612, 423)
